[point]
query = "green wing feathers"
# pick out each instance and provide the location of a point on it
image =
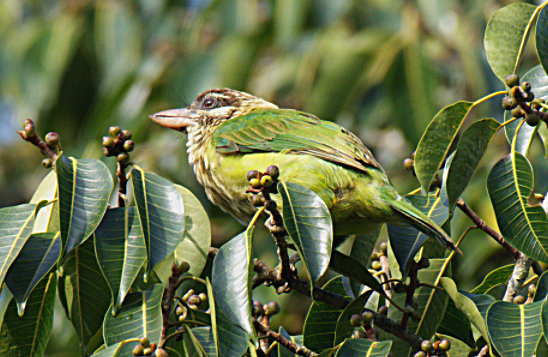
(424, 224)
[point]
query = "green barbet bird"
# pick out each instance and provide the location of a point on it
(231, 133)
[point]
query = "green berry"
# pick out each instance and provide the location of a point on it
(114, 131)
(400, 288)
(145, 342)
(517, 112)
(531, 290)
(420, 354)
(383, 247)
(356, 320)
(252, 175)
(129, 145)
(273, 172)
(147, 351)
(30, 130)
(509, 103)
(409, 164)
(266, 180)
(194, 300)
(184, 267)
(160, 352)
(257, 200)
(526, 86)
(512, 80)
(138, 350)
(127, 134)
(530, 97)
(122, 158)
(108, 142)
(271, 205)
(376, 265)
(375, 256)
(532, 119)
(47, 163)
(518, 299)
(367, 317)
(423, 263)
(518, 93)
(52, 139)
(257, 309)
(426, 346)
(203, 297)
(272, 308)
(27, 121)
(359, 334)
(444, 345)
(255, 183)
(383, 310)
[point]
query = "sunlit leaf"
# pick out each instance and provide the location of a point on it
(47, 219)
(494, 278)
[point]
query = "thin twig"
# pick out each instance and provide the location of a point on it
(290, 345)
(39, 143)
(170, 294)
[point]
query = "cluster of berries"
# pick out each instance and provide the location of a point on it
(268, 310)
(262, 184)
(52, 140)
(145, 348)
(118, 144)
(437, 348)
(521, 93)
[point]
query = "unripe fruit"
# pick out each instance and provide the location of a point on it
(532, 119)
(436, 345)
(271, 205)
(517, 112)
(179, 310)
(376, 265)
(420, 354)
(356, 320)
(30, 130)
(409, 164)
(374, 256)
(145, 342)
(47, 163)
(194, 300)
(518, 299)
(184, 267)
(273, 172)
(526, 86)
(114, 131)
(127, 134)
(138, 350)
(272, 308)
(257, 309)
(106, 152)
(27, 121)
(181, 317)
(129, 145)
(512, 80)
(436, 183)
(400, 288)
(147, 351)
(531, 290)
(108, 142)
(257, 200)
(359, 334)
(122, 158)
(426, 346)
(252, 174)
(530, 97)
(255, 183)
(383, 310)
(203, 297)
(52, 139)
(188, 294)
(367, 317)
(444, 345)
(160, 352)
(423, 263)
(384, 247)
(266, 180)
(509, 103)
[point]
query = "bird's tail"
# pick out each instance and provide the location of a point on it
(424, 224)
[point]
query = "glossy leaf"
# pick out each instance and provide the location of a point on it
(541, 38)
(84, 191)
(472, 145)
(456, 324)
(197, 237)
(542, 288)
(436, 141)
(28, 335)
(458, 347)
(16, 225)
(406, 240)
(308, 223)
(231, 277)
(505, 35)
(352, 347)
(494, 278)
(35, 260)
(140, 315)
(283, 351)
(112, 351)
(355, 270)
(205, 337)
(344, 328)
(83, 292)
(120, 249)
(162, 214)
(525, 227)
(47, 219)
(514, 330)
(321, 321)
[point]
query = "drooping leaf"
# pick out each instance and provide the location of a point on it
(197, 237)
(161, 212)
(437, 139)
(140, 315)
(84, 191)
(39, 254)
(472, 145)
(542, 288)
(514, 330)
(525, 227)
(541, 39)
(344, 328)
(28, 335)
(120, 249)
(505, 37)
(231, 278)
(352, 347)
(494, 278)
(308, 222)
(321, 320)
(84, 292)
(361, 251)
(456, 324)
(47, 219)
(355, 270)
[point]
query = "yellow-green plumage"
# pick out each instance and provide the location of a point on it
(231, 133)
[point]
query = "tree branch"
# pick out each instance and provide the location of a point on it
(170, 295)
(293, 347)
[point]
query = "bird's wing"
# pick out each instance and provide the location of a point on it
(292, 132)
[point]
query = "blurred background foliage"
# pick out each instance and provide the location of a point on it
(381, 68)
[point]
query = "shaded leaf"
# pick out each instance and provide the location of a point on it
(283, 351)
(361, 251)
(355, 270)
(541, 39)
(456, 324)
(542, 288)
(308, 223)
(344, 328)
(494, 278)
(205, 337)
(458, 347)
(352, 347)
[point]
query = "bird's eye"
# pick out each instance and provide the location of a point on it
(209, 103)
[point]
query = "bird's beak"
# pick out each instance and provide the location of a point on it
(177, 119)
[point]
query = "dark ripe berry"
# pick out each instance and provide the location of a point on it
(531, 290)
(129, 145)
(436, 183)
(530, 97)
(122, 158)
(145, 342)
(30, 130)
(52, 139)
(376, 265)
(114, 131)
(266, 180)
(273, 172)
(255, 183)
(512, 80)
(526, 86)
(420, 354)
(257, 309)
(532, 119)
(138, 350)
(426, 346)
(509, 103)
(160, 352)
(270, 205)
(384, 247)
(356, 320)
(423, 263)
(257, 200)
(383, 310)
(127, 134)
(203, 297)
(194, 300)
(518, 299)
(184, 267)
(444, 345)
(409, 164)
(400, 288)
(272, 308)
(47, 163)
(367, 317)
(108, 142)
(517, 112)
(252, 174)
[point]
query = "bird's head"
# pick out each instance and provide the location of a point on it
(209, 110)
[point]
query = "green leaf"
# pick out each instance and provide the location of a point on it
(456, 324)
(231, 277)
(205, 337)
(472, 145)
(352, 347)
(494, 278)
(120, 249)
(197, 237)
(16, 225)
(321, 320)
(405, 240)
(37, 257)
(283, 351)
(436, 141)
(83, 292)
(112, 351)
(355, 270)
(542, 288)
(458, 347)
(47, 219)
(84, 191)
(505, 37)
(541, 39)
(308, 223)
(140, 315)
(28, 335)
(515, 330)
(162, 214)
(525, 227)
(344, 328)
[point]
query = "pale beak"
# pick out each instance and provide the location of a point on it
(177, 119)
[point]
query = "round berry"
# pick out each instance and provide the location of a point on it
(160, 352)
(114, 131)
(532, 119)
(518, 299)
(257, 200)
(356, 320)
(273, 172)
(509, 103)
(52, 139)
(255, 183)
(252, 174)
(138, 350)
(272, 308)
(423, 263)
(409, 164)
(517, 112)
(184, 267)
(383, 310)
(129, 145)
(122, 158)
(512, 80)
(257, 309)
(203, 297)
(127, 134)
(47, 163)
(444, 345)
(145, 342)
(426, 346)
(526, 86)
(108, 142)
(376, 265)
(266, 180)
(29, 129)
(367, 317)
(271, 205)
